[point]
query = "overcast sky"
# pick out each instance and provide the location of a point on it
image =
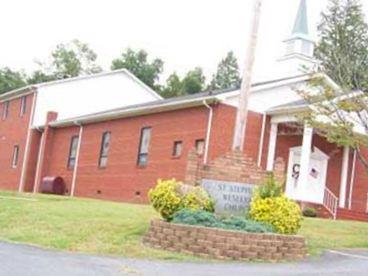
(184, 33)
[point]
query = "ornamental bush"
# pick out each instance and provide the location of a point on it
(170, 196)
(207, 219)
(271, 188)
(282, 213)
(310, 212)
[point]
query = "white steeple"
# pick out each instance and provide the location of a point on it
(300, 45)
(300, 41)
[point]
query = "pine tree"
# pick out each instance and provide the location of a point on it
(227, 75)
(343, 46)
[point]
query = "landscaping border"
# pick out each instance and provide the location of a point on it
(224, 244)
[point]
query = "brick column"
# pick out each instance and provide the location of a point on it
(43, 150)
(193, 164)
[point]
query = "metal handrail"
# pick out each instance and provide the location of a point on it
(330, 202)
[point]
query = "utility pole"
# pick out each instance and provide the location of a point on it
(242, 113)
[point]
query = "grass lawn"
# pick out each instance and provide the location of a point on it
(102, 227)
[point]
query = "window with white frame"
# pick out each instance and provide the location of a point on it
(199, 146)
(5, 110)
(177, 149)
(104, 151)
(23, 105)
(73, 152)
(144, 146)
(15, 156)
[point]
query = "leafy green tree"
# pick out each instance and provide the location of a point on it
(341, 115)
(39, 76)
(137, 63)
(227, 75)
(74, 59)
(343, 46)
(71, 59)
(173, 87)
(194, 81)
(10, 80)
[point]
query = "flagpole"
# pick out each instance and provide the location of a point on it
(246, 84)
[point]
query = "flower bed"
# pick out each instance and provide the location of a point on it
(224, 244)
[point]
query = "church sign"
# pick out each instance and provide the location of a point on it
(229, 197)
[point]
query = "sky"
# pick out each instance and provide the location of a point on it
(184, 33)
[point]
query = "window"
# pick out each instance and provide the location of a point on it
(178, 148)
(104, 151)
(143, 146)
(15, 156)
(23, 105)
(73, 152)
(5, 110)
(199, 145)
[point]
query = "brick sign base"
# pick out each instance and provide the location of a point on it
(224, 244)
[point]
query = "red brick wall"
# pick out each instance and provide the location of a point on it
(57, 152)
(13, 131)
(360, 186)
(122, 178)
(233, 166)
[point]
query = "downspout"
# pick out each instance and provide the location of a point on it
(208, 134)
(352, 179)
(27, 147)
(260, 150)
(72, 191)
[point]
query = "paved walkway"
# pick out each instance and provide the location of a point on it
(27, 260)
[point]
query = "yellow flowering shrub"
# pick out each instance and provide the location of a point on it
(282, 213)
(197, 199)
(171, 196)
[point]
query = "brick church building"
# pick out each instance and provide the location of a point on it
(109, 136)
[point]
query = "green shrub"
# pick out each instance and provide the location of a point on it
(170, 196)
(207, 219)
(271, 188)
(282, 213)
(310, 212)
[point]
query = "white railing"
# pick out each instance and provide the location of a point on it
(330, 202)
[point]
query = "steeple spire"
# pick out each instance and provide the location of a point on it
(300, 42)
(301, 21)
(299, 45)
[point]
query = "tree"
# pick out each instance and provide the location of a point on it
(343, 46)
(74, 59)
(39, 76)
(10, 80)
(137, 63)
(68, 60)
(227, 75)
(194, 81)
(173, 87)
(341, 115)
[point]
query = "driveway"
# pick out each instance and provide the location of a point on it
(22, 260)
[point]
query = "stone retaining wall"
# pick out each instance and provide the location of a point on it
(224, 244)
